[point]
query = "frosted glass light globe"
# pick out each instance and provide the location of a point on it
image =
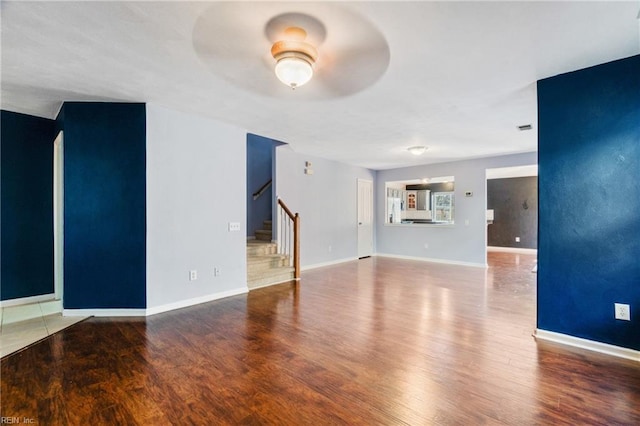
(293, 71)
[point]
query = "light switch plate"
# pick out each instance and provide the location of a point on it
(234, 226)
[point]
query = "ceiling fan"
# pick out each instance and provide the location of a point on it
(328, 48)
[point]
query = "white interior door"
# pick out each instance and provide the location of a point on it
(365, 218)
(58, 216)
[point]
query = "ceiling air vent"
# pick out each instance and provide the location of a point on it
(525, 127)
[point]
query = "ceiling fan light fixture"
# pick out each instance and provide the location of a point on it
(417, 150)
(294, 58)
(294, 69)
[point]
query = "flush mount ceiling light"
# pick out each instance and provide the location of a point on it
(417, 150)
(295, 58)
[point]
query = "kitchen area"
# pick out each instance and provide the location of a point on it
(427, 201)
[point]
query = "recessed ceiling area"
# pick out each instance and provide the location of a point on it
(458, 77)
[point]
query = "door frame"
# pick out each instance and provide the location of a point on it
(364, 251)
(58, 216)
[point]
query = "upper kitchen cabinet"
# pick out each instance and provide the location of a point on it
(411, 200)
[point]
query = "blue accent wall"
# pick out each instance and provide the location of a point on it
(589, 202)
(260, 157)
(105, 205)
(27, 205)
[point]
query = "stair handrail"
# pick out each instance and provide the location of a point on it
(284, 244)
(262, 189)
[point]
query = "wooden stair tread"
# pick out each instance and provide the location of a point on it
(252, 258)
(271, 277)
(263, 234)
(271, 272)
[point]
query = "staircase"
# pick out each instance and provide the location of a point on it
(264, 265)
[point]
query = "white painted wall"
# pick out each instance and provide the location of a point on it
(196, 183)
(326, 201)
(459, 243)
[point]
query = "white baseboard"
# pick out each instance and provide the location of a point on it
(28, 300)
(97, 312)
(513, 250)
(153, 310)
(18, 313)
(195, 301)
(591, 345)
(51, 307)
(428, 259)
(331, 262)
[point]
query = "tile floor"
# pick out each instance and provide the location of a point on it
(23, 325)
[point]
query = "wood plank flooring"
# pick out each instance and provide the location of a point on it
(374, 342)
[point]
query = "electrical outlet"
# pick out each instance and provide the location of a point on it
(234, 226)
(517, 239)
(622, 311)
(216, 272)
(193, 275)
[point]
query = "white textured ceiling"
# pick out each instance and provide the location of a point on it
(459, 77)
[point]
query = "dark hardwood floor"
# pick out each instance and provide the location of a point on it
(374, 342)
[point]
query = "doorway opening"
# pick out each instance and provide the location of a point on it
(512, 210)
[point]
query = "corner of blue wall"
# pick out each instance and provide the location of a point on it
(105, 205)
(589, 199)
(27, 205)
